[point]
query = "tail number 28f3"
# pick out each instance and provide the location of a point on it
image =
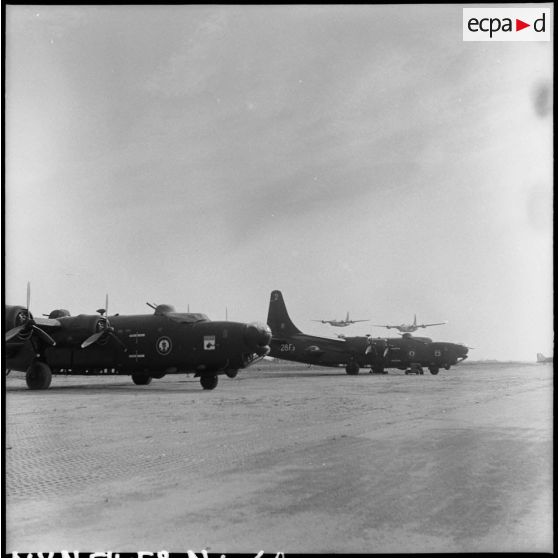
(287, 348)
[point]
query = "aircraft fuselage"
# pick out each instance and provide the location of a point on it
(386, 353)
(146, 344)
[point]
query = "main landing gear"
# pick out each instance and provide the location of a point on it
(378, 370)
(208, 381)
(231, 373)
(141, 379)
(352, 368)
(38, 376)
(433, 370)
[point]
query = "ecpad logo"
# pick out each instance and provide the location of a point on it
(506, 24)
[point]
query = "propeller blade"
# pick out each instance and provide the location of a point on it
(92, 339)
(106, 305)
(14, 332)
(28, 295)
(115, 337)
(44, 336)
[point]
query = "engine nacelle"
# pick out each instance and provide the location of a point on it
(16, 316)
(75, 329)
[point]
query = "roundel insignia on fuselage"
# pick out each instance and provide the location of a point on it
(163, 346)
(411, 353)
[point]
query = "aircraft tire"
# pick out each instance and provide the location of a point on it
(38, 376)
(232, 373)
(352, 368)
(209, 382)
(141, 379)
(434, 370)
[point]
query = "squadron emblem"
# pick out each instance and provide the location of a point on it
(209, 342)
(163, 345)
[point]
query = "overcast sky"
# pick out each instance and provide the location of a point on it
(359, 158)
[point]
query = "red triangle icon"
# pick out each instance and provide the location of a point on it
(519, 25)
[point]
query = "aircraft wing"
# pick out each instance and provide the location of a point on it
(38, 325)
(47, 323)
(382, 325)
(355, 321)
(428, 325)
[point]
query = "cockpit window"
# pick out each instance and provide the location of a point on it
(187, 318)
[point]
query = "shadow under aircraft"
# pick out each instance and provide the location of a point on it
(408, 353)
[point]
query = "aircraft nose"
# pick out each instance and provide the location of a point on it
(257, 337)
(462, 351)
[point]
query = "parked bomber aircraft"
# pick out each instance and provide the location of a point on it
(340, 323)
(144, 346)
(408, 328)
(406, 353)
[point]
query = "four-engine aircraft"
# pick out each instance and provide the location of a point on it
(406, 353)
(340, 323)
(408, 328)
(144, 346)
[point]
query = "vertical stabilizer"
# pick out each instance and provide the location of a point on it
(278, 318)
(415, 322)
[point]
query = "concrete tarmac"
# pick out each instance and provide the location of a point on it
(284, 458)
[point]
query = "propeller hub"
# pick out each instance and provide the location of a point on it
(101, 325)
(23, 317)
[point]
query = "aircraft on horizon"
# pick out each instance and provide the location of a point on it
(340, 323)
(143, 346)
(408, 328)
(541, 358)
(406, 353)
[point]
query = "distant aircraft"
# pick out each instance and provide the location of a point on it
(407, 353)
(408, 328)
(340, 323)
(541, 358)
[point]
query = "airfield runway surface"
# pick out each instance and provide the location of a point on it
(283, 458)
